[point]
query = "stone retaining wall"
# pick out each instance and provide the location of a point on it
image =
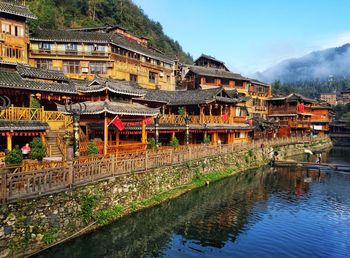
(27, 226)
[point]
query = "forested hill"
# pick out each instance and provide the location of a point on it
(59, 14)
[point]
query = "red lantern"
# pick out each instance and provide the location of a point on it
(3, 134)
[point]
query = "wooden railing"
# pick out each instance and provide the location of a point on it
(45, 180)
(34, 114)
(61, 146)
(205, 119)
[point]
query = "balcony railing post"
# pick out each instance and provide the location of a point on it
(70, 173)
(3, 189)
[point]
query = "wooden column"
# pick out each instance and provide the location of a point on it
(144, 133)
(210, 115)
(117, 133)
(87, 133)
(173, 135)
(105, 135)
(201, 114)
(9, 142)
(214, 138)
(43, 139)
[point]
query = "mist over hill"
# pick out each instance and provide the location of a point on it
(320, 65)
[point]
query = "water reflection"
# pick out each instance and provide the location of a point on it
(262, 213)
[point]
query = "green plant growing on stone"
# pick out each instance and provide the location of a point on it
(189, 164)
(38, 151)
(87, 207)
(92, 148)
(151, 143)
(105, 216)
(250, 153)
(174, 142)
(181, 111)
(50, 236)
(206, 140)
(14, 157)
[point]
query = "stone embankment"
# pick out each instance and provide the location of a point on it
(29, 225)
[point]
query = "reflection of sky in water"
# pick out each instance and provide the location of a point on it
(265, 213)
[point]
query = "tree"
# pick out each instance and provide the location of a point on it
(92, 148)
(174, 142)
(14, 157)
(37, 151)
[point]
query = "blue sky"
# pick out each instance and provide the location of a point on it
(252, 35)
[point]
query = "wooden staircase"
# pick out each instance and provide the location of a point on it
(51, 140)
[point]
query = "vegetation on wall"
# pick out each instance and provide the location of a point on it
(60, 14)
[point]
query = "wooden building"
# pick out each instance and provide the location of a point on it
(330, 98)
(23, 84)
(215, 113)
(298, 115)
(13, 36)
(345, 96)
(81, 54)
(208, 72)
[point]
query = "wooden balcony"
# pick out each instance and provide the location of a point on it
(52, 52)
(34, 114)
(204, 119)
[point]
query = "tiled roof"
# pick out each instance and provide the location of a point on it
(115, 108)
(28, 71)
(70, 36)
(6, 125)
(12, 79)
(18, 10)
(210, 58)
(97, 37)
(117, 86)
(253, 81)
(191, 97)
(293, 97)
(217, 73)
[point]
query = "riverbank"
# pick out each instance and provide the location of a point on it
(34, 224)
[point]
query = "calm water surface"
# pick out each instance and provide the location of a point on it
(263, 213)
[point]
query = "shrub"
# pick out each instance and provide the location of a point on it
(14, 157)
(206, 140)
(174, 142)
(151, 143)
(34, 104)
(37, 151)
(92, 148)
(181, 111)
(87, 207)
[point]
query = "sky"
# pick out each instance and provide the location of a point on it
(252, 35)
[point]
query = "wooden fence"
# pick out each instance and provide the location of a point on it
(65, 175)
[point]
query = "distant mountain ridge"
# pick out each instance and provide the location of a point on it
(318, 65)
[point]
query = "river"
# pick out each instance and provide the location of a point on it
(267, 212)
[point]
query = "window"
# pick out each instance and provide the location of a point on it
(98, 68)
(44, 64)
(237, 134)
(152, 77)
(45, 45)
(13, 52)
(5, 28)
(225, 81)
(71, 67)
(209, 80)
(239, 83)
(133, 77)
(72, 47)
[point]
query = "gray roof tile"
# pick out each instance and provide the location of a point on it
(18, 10)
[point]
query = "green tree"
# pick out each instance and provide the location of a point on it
(14, 157)
(92, 148)
(37, 151)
